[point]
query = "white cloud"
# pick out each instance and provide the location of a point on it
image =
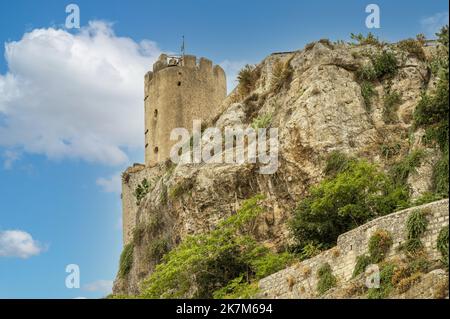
(431, 25)
(10, 157)
(112, 184)
(103, 286)
(18, 243)
(232, 69)
(75, 95)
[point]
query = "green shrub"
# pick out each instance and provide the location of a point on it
(237, 288)
(426, 197)
(439, 63)
(379, 244)
(432, 114)
(418, 263)
(391, 101)
(416, 225)
(262, 121)
(181, 188)
(361, 264)
(309, 250)
(390, 150)
(326, 279)
(367, 92)
(440, 176)
(214, 260)
(370, 39)
(338, 204)
(157, 249)
(141, 190)
(401, 170)
(413, 47)
(366, 73)
(247, 78)
(281, 75)
(442, 244)
(126, 260)
(386, 273)
(336, 162)
(385, 65)
(270, 263)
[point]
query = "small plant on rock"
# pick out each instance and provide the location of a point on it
(281, 75)
(262, 121)
(326, 279)
(141, 190)
(386, 273)
(370, 39)
(416, 226)
(247, 78)
(361, 264)
(367, 92)
(379, 245)
(126, 260)
(391, 101)
(413, 47)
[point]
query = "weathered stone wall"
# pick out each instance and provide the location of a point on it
(175, 96)
(300, 280)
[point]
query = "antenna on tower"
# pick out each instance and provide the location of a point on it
(182, 48)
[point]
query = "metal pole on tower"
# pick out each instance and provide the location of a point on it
(182, 47)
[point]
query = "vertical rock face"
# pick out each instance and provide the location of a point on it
(318, 107)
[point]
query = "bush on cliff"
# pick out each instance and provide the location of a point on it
(126, 260)
(432, 114)
(204, 264)
(351, 198)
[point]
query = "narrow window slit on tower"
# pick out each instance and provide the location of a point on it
(155, 113)
(156, 149)
(146, 131)
(146, 145)
(179, 83)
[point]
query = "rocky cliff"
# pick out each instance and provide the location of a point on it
(320, 101)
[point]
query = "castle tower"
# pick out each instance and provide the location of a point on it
(177, 92)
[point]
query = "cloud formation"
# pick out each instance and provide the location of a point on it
(75, 95)
(433, 24)
(103, 286)
(18, 243)
(112, 184)
(10, 157)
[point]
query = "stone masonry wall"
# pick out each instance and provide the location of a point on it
(175, 96)
(300, 281)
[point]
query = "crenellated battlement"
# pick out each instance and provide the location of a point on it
(187, 62)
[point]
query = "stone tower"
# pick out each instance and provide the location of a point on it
(177, 92)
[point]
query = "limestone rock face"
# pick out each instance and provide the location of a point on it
(319, 108)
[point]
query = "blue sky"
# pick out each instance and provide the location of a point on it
(71, 111)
